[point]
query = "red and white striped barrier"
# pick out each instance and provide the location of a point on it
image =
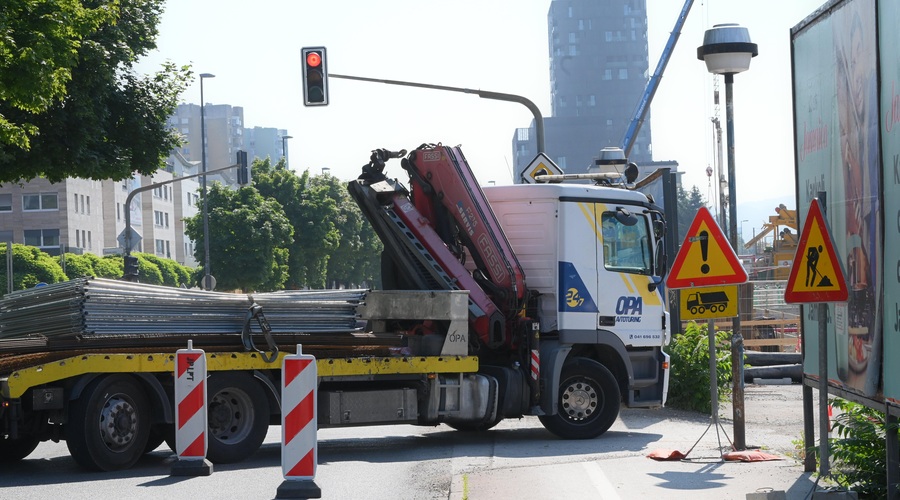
(299, 380)
(191, 439)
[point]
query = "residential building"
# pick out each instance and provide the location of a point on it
(53, 216)
(598, 73)
(263, 142)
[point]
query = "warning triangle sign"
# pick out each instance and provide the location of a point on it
(705, 258)
(816, 275)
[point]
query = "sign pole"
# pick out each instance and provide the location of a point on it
(824, 466)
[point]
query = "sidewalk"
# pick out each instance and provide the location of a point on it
(620, 467)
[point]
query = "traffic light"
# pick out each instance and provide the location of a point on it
(243, 173)
(131, 268)
(315, 76)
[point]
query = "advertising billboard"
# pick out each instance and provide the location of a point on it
(838, 153)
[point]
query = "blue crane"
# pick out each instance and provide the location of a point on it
(653, 83)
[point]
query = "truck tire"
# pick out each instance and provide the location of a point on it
(13, 450)
(109, 424)
(474, 427)
(589, 401)
(238, 416)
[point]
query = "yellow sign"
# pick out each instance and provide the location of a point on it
(816, 275)
(540, 165)
(705, 258)
(709, 302)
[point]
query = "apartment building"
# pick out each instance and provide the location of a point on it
(599, 62)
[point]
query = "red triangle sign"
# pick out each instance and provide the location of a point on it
(705, 258)
(816, 274)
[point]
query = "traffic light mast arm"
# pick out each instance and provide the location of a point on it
(154, 185)
(484, 94)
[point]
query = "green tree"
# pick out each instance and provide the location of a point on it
(311, 207)
(688, 205)
(245, 232)
(357, 258)
(91, 115)
(30, 267)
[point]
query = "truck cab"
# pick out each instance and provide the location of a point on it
(592, 254)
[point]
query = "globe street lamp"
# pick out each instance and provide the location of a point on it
(284, 139)
(207, 276)
(727, 50)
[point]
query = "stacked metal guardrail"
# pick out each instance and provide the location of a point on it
(100, 307)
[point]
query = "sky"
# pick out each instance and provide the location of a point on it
(253, 48)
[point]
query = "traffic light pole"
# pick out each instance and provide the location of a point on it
(484, 94)
(154, 185)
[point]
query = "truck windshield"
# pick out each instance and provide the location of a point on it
(626, 248)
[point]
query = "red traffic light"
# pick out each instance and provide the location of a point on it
(313, 59)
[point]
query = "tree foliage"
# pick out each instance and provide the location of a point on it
(356, 260)
(689, 383)
(30, 267)
(689, 202)
(311, 206)
(245, 232)
(71, 104)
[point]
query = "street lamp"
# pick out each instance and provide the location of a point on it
(207, 268)
(742, 229)
(284, 139)
(326, 170)
(727, 50)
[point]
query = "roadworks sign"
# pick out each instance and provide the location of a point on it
(705, 258)
(816, 275)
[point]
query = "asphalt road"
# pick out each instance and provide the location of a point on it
(518, 459)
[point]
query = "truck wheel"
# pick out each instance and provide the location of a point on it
(156, 438)
(238, 417)
(589, 401)
(13, 450)
(109, 424)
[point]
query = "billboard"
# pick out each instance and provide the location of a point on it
(838, 152)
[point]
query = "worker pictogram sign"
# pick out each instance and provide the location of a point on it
(816, 275)
(705, 258)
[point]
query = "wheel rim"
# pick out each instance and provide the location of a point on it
(230, 415)
(580, 399)
(118, 422)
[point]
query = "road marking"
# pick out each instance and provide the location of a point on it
(598, 478)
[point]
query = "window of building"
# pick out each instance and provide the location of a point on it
(77, 239)
(43, 201)
(623, 73)
(157, 218)
(168, 253)
(573, 50)
(118, 211)
(607, 74)
(572, 38)
(75, 205)
(581, 24)
(42, 237)
(6, 202)
(562, 101)
(89, 205)
(6, 236)
(578, 101)
(160, 247)
(592, 100)
(570, 11)
(166, 216)
(609, 36)
(561, 162)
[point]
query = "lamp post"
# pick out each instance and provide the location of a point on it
(207, 268)
(727, 50)
(284, 139)
(742, 229)
(326, 170)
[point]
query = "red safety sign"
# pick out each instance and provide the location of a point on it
(299, 378)
(191, 441)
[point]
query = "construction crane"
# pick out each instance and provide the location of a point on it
(644, 105)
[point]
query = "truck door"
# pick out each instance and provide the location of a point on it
(626, 256)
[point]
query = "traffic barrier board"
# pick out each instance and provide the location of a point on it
(299, 423)
(823, 277)
(705, 258)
